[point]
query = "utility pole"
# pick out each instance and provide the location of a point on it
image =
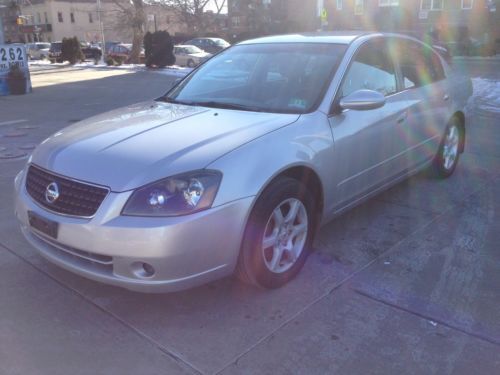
(2, 38)
(101, 27)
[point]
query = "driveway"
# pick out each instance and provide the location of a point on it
(408, 282)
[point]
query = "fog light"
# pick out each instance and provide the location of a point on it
(143, 270)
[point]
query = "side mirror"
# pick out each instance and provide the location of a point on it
(362, 100)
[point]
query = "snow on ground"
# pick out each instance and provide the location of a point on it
(486, 95)
(174, 70)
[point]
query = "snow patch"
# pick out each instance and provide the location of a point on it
(485, 96)
(172, 71)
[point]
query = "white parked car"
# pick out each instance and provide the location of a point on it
(191, 56)
(38, 51)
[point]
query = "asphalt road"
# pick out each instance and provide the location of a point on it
(408, 282)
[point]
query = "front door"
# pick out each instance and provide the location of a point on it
(365, 140)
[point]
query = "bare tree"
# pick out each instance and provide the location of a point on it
(191, 12)
(134, 15)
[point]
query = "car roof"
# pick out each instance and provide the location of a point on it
(338, 37)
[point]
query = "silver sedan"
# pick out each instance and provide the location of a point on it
(238, 165)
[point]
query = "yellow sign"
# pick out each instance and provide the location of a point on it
(324, 15)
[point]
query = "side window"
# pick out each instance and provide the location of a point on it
(419, 65)
(372, 69)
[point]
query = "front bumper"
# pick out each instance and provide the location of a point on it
(184, 251)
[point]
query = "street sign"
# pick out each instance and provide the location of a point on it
(14, 55)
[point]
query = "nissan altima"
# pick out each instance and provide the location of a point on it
(235, 168)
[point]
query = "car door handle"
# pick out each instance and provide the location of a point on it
(446, 97)
(401, 119)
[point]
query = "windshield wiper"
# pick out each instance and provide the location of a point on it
(166, 99)
(214, 104)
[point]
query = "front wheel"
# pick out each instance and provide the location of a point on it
(278, 235)
(191, 63)
(446, 159)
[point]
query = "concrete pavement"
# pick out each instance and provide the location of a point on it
(408, 282)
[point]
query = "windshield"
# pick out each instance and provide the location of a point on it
(283, 78)
(193, 49)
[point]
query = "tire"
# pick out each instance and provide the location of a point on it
(289, 243)
(191, 63)
(446, 159)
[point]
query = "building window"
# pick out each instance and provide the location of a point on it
(388, 3)
(431, 5)
(38, 19)
(359, 7)
(467, 4)
(45, 17)
(339, 4)
(72, 17)
(91, 18)
(235, 21)
(59, 16)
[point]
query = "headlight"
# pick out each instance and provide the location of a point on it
(175, 196)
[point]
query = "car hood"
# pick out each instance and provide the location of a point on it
(132, 146)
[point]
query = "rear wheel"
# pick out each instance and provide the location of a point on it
(446, 159)
(278, 235)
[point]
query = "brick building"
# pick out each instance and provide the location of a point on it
(448, 20)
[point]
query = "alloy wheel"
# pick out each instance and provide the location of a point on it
(450, 147)
(285, 235)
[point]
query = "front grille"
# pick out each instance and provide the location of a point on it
(75, 198)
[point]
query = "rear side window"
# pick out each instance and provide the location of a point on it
(419, 65)
(371, 69)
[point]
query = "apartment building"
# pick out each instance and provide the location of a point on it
(447, 20)
(52, 20)
(250, 18)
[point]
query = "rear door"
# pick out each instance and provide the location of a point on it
(425, 92)
(365, 140)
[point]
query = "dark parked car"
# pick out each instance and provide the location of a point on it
(210, 45)
(55, 52)
(123, 52)
(90, 52)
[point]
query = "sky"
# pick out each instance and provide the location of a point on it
(211, 6)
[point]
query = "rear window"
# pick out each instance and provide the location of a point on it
(419, 64)
(56, 47)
